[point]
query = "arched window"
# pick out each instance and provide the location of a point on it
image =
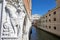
(49, 27)
(54, 12)
(54, 19)
(54, 27)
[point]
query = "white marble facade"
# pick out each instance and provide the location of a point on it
(13, 16)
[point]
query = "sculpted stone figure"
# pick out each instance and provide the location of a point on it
(14, 21)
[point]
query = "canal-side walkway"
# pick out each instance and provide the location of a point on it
(38, 34)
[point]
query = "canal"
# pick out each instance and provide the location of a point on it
(38, 34)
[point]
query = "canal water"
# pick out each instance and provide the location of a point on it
(38, 34)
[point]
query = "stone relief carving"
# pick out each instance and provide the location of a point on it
(13, 10)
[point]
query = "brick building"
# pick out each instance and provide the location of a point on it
(51, 21)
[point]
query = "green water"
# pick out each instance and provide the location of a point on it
(38, 34)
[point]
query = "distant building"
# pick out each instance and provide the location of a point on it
(35, 17)
(51, 21)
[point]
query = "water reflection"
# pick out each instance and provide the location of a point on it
(38, 34)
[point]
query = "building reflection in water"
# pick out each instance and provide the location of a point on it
(38, 34)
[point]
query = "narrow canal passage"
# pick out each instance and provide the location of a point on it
(38, 34)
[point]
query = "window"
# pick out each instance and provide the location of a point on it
(46, 20)
(54, 12)
(54, 19)
(46, 16)
(49, 14)
(54, 27)
(49, 20)
(49, 26)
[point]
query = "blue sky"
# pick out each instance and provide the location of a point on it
(41, 7)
